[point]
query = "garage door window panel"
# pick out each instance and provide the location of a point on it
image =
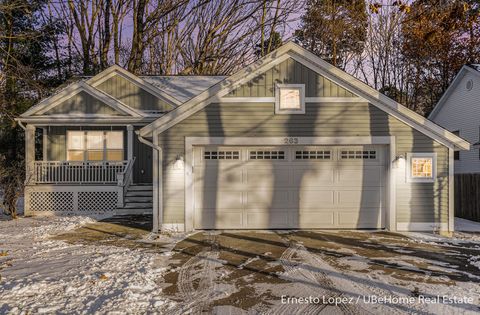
(267, 155)
(221, 155)
(358, 154)
(313, 155)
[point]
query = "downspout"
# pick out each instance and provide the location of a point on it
(157, 213)
(21, 124)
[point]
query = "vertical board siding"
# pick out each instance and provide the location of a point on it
(132, 95)
(467, 196)
(416, 202)
(290, 71)
(83, 103)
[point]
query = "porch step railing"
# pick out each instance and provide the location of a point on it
(70, 172)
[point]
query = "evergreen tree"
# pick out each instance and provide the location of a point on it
(334, 29)
(26, 75)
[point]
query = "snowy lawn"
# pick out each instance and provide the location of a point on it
(79, 265)
(42, 272)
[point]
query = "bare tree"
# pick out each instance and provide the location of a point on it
(85, 14)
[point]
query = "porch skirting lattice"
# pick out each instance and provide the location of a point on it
(71, 199)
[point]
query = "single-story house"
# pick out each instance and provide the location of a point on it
(458, 111)
(288, 142)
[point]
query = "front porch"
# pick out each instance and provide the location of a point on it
(83, 169)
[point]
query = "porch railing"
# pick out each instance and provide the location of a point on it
(70, 172)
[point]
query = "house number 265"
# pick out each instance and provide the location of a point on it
(290, 140)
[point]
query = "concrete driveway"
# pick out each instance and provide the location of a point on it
(312, 272)
(302, 272)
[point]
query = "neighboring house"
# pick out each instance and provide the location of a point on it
(287, 142)
(459, 112)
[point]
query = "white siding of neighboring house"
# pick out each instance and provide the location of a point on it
(461, 111)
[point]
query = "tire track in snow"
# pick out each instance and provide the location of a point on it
(199, 267)
(301, 265)
(371, 287)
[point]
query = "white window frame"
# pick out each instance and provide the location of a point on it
(85, 146)
(410, 178)
(300, 87)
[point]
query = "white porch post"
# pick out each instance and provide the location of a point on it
(157, 166)
(129, 142)
(29, 153)
(45, 144)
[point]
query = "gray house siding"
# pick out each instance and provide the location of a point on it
(461, 112)
(83, 103)
(290, 71)
(415, 202)
(57, 148)
(132, 95)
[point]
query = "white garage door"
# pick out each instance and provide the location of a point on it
(289, 187)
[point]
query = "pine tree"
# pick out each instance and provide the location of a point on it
(334, 29)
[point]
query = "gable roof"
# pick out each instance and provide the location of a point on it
(173, 90)
(72, 90)
(138, 81)
(294, 51)
(475, 69)
(183, 88)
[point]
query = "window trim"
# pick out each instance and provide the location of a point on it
(279, 87)
(85, 149)
(410, 178)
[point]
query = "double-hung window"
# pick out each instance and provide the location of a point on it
(95, 145)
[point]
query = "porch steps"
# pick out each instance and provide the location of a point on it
(138, 200)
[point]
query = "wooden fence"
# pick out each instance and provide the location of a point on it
(467, 196)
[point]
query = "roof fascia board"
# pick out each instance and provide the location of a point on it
(58, 120)
(383, 102)
(56, 98)
(117, 70)
(458, 78)
(84, 87)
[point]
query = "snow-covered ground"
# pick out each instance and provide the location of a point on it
(42, 275)
(462, 225)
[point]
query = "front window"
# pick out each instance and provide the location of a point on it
(95, 145)
(290, 99)
(421, 167)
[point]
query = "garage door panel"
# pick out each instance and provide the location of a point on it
(308, 198)
(368, 176)
(268, 177)
(314, 188)
(267, 199)
(366, 218)
(359, 198)
(313, 177)
(274, 220)
(316, 219)
(211, 199)
(218, 220)
(214, 177)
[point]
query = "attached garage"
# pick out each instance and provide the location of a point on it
(291, 142)
(277, 187)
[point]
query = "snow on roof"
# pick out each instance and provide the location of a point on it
(183, 88)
